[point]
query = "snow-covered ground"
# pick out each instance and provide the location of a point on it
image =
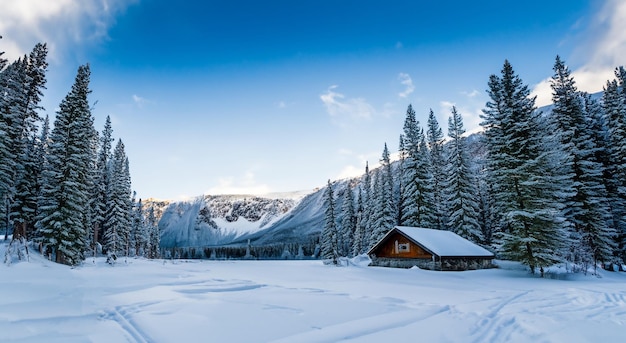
(302, 301)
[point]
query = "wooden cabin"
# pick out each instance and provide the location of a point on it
(405, 247)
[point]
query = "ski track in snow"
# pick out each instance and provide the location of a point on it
(496, 327)
(358, 328)
(122, 315)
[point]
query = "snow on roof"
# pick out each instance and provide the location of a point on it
(443, 243)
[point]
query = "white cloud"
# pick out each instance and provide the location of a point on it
(474, 93)
(605, 49)
(281, 104)
(139, 101)
(446, 106)
(350, 172)
(405, 79)
(246, 184)
(58, 23)
(372, 159)
(340, 107)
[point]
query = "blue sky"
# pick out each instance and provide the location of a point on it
(255, 97)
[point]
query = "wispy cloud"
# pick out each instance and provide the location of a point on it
(281, 104)
(139, 101)
(350, 171)
(245, 184)
(341, 108)
(602, 53)
(474, 93)
(59, 23)
(405, 79)
(355, 163)
(357, 167)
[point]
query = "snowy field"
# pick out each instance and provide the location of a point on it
(302, 301)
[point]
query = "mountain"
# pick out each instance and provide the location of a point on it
(304, 222)
(222, 219)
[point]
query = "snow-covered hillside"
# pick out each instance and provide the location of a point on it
(302, 301)
(221, 219)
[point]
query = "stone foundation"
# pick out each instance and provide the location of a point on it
(446, 264)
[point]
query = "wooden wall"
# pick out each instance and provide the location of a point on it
(389, 248)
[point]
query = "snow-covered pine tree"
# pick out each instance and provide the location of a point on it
(22, 91)
(64, 197)
(521, 174)
(348, 222)
(24, 206)
(329, 234)
(418, 208)
(41, 158)
(460, 184)
(140, 230)
(357, 239)
(5, 168)
(399, 195)
(587, 208)
(117, 221)
(620, 73)
(3, 61)
(385, 216)
(102, 183)
(12, 95)
(133, 227)
(435, 139)
(614, 104)
(154, 242)
(368, 209)
(599, 137)
(377, 206)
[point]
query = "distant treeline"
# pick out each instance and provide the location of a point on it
(278, 251)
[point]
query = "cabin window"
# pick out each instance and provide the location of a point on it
(401, 247)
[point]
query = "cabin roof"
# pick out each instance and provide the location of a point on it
(439, 242)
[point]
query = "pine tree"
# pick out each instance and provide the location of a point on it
(435, 139)
(521, 174)
(400, 199)
(139, 230)
(348, 222)
(418, 206)
(11, 96)
(3, 61)
(459, 184)
(329, 235)
(40, 157)
(587, 208)
(117, 221)
(64, 197)
(614, 104)
(357, 239)
(21, 86)
(154, 242)
(385, 216)
(24, 206)
(368, 210)
(102, 183)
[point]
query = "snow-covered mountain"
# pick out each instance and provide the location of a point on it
(222, 219)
